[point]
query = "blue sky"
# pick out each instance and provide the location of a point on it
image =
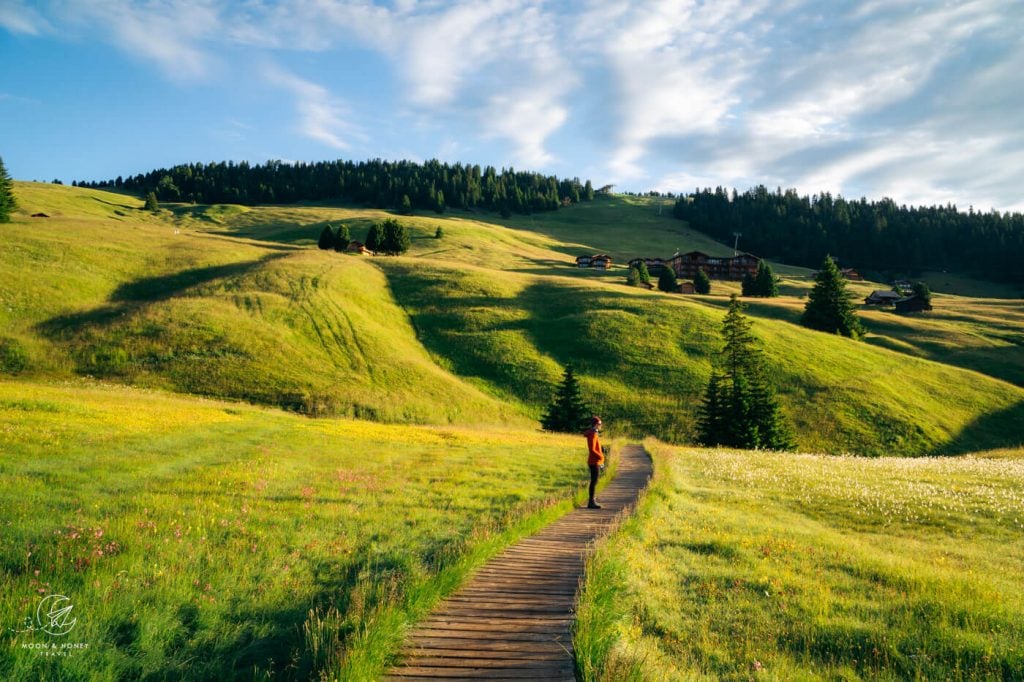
(919, 101)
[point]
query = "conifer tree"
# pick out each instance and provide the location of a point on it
(326, 241)
(633, 276)
(374, 237)
(739, 408)
(405, 207)
(394, 238)
(747, 287)
(643, 272)
(438, 233)
(667, 280)
(567, 413)
(921, 290)
(765, 283)
(830, 306)
(701, 283)
(7, 201)
(711, 413)
(342, 239)
(761, 284)
(151, 202)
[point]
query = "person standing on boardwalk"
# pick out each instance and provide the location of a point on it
(595, 458)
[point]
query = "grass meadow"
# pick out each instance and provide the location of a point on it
(475, 327)
(201, 539)
(751, 565)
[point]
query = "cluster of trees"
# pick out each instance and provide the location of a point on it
(763, 284)
(389, 237)
(739, 409)
(402, 185)
(877, 235)
(639, 275)
(7, 202)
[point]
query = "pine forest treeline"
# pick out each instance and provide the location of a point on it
(878, 236)
(385, 184)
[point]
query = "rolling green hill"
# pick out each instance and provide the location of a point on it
(473, 327)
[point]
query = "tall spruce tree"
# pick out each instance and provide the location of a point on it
(326, 241)
(764, 281)
(748, 286)
(151, 202)
(342, 239)
(633, 276)
(830, 306)
(405, 206)
(7, 202)
(701, 282)
(667, 280)
(739, 408)
(761, 284)
(567, 413)
(643, 273)
(375, 237)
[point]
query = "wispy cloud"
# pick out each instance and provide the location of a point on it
(169, 33)
(321, 116)
(915, 100)
(17, 17)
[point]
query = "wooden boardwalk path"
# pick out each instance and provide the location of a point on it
(513, 619)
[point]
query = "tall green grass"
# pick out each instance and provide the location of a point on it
(201, 540)
(746, 565)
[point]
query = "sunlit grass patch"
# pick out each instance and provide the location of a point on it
(743, 564)
(202, 539)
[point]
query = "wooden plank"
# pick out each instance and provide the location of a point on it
(505, 635)
(484, 646)
(478, 654)
(558, 671)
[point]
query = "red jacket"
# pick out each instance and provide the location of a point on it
(595, 455)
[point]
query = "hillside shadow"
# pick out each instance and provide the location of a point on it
(1000, 429)
(293, 232)
(152, 289)
(132, 296)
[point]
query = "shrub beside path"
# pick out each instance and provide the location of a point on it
(513, 619)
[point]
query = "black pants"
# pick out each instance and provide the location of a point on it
(595, 471)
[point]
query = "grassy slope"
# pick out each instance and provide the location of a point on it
(236, 303)
(215, 540)
(140, 300)
(808, 567)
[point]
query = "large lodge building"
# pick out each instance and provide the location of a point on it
(686, 265)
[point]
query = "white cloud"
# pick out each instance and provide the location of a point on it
(167, 32)
(527, 119)
(16, 17)
(883, 97)
(322, 117)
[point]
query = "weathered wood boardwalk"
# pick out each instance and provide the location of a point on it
(513, 619)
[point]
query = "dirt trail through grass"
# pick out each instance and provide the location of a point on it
(513, 619)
